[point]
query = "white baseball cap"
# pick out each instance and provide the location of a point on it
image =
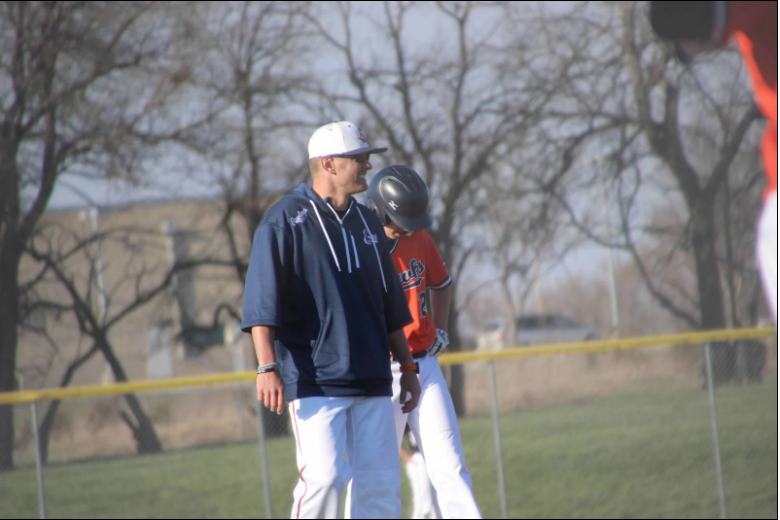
(338, 139)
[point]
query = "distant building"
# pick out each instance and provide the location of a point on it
(170, 335)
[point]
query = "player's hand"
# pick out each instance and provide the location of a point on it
(411, 385)
(442, 342)
(270, 391)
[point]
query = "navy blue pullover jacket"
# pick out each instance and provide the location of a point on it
(329, 287)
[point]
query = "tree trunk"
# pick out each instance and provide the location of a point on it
(146, 439)
(10, 257)
(44, 431)
(710, 291)
(457, 379)
(9, 321)
(510, 314)
(443, 240)
(707, 271)
(145, 435)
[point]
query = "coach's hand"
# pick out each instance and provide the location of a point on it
(411, 385)
(270, 391)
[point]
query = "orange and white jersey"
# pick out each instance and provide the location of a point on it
(420, 266)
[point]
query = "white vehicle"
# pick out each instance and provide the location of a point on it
(535, 329)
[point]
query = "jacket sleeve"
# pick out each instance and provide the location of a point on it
(265, 278)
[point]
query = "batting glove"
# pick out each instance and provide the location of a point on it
(442, 341)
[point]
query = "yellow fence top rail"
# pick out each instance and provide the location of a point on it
(456, 358)
(689, 338)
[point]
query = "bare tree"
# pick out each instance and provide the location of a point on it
(83, 88)
(583, 298)
(450, 107)
(664, 139)
(140, 276)
(525, 236)
(251, 64)
(670, 146)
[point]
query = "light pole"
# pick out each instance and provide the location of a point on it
(92, 214)
(598, 161)
(611, 264)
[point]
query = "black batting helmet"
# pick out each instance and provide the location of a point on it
(397, 193)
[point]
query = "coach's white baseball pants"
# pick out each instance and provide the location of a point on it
(326, 430)
(767, 252)
(435, 427)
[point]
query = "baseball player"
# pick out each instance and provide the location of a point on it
(696, 27)
(323, 305)
(399, 197)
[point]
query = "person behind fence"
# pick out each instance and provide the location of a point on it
(399, 197)
(696, 27)
(324, 305)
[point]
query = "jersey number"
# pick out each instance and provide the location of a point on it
(423, 305)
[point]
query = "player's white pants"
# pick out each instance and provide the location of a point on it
(767, 252)
(326, 430)
(435, 427)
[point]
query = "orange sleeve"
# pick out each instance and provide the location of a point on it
(438, 275)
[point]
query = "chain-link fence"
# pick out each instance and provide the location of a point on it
(622, 435)
(651, 432)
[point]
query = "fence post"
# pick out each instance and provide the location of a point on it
(714, 427)
(263, 460)
(38, 460)
(497, 439)
(239, 391)
(38, 457)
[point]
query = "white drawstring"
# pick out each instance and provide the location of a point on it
(336, 213)
(354, 248)
(376, 251)
(346, 244)
(322, 225)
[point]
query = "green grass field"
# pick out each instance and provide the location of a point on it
(639, 455)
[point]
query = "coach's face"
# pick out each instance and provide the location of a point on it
(350, 173)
